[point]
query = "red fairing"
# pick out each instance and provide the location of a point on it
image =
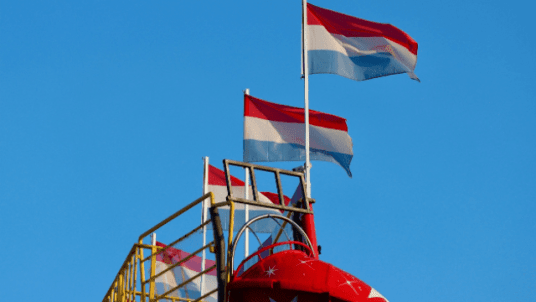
(308, 225)
(293, 276)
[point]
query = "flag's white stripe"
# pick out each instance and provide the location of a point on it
(167, 279)
(211, 282)
(174, 277)
(320, 39)
(329, 140)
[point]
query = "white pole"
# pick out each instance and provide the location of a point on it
(203, 219)
(153, 238)
(246, 196)
(301, 55)
(306, 96)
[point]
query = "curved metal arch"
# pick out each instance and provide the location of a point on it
(255, 234)
(284, 231)
(245, 226)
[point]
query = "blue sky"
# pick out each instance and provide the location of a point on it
(107, 107)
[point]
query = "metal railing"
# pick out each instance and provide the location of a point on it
(126, 286)
(277, 173)
(231, 199)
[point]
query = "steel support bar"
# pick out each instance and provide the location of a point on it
(142, 271)
(163, 249)
(205, 295)
(181, 211)
(263, 168)
(219, 250)
(269, 205)
(221, 204)
(230, 240)
(152, 287)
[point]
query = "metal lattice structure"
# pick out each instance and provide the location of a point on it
(135, 283)
(131, 282)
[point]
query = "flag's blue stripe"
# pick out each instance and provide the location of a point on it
(357, 68)
(264, 151)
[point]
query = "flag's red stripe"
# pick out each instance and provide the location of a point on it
(173, 255)
(216, 177)
(258, 108)
(274, 198)
(348, 26)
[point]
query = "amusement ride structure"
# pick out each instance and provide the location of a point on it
(287, 269)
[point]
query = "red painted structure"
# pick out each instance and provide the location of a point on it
(292, 276)
(297, 275)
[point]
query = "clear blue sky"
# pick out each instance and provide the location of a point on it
(106, 108)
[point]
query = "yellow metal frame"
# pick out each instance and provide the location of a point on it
(127, 288)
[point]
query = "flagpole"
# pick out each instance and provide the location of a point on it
(305, 66)
(246, 196)
(203, 219)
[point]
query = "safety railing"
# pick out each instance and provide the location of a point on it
(302, 206)
(277, 174)
(131, 282)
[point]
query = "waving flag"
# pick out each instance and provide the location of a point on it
(355, 48)
(218, 185)
(274, 132)
(182, 273)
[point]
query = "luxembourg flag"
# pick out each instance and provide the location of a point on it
(355, 48)
(274, 132)
(183, 272)
(218, 185)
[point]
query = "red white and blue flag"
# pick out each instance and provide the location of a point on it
(183, 272)
(274, 132)
(355, 48)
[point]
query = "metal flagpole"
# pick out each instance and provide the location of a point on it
(246, 196)
(305, 63)
(203, 219)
